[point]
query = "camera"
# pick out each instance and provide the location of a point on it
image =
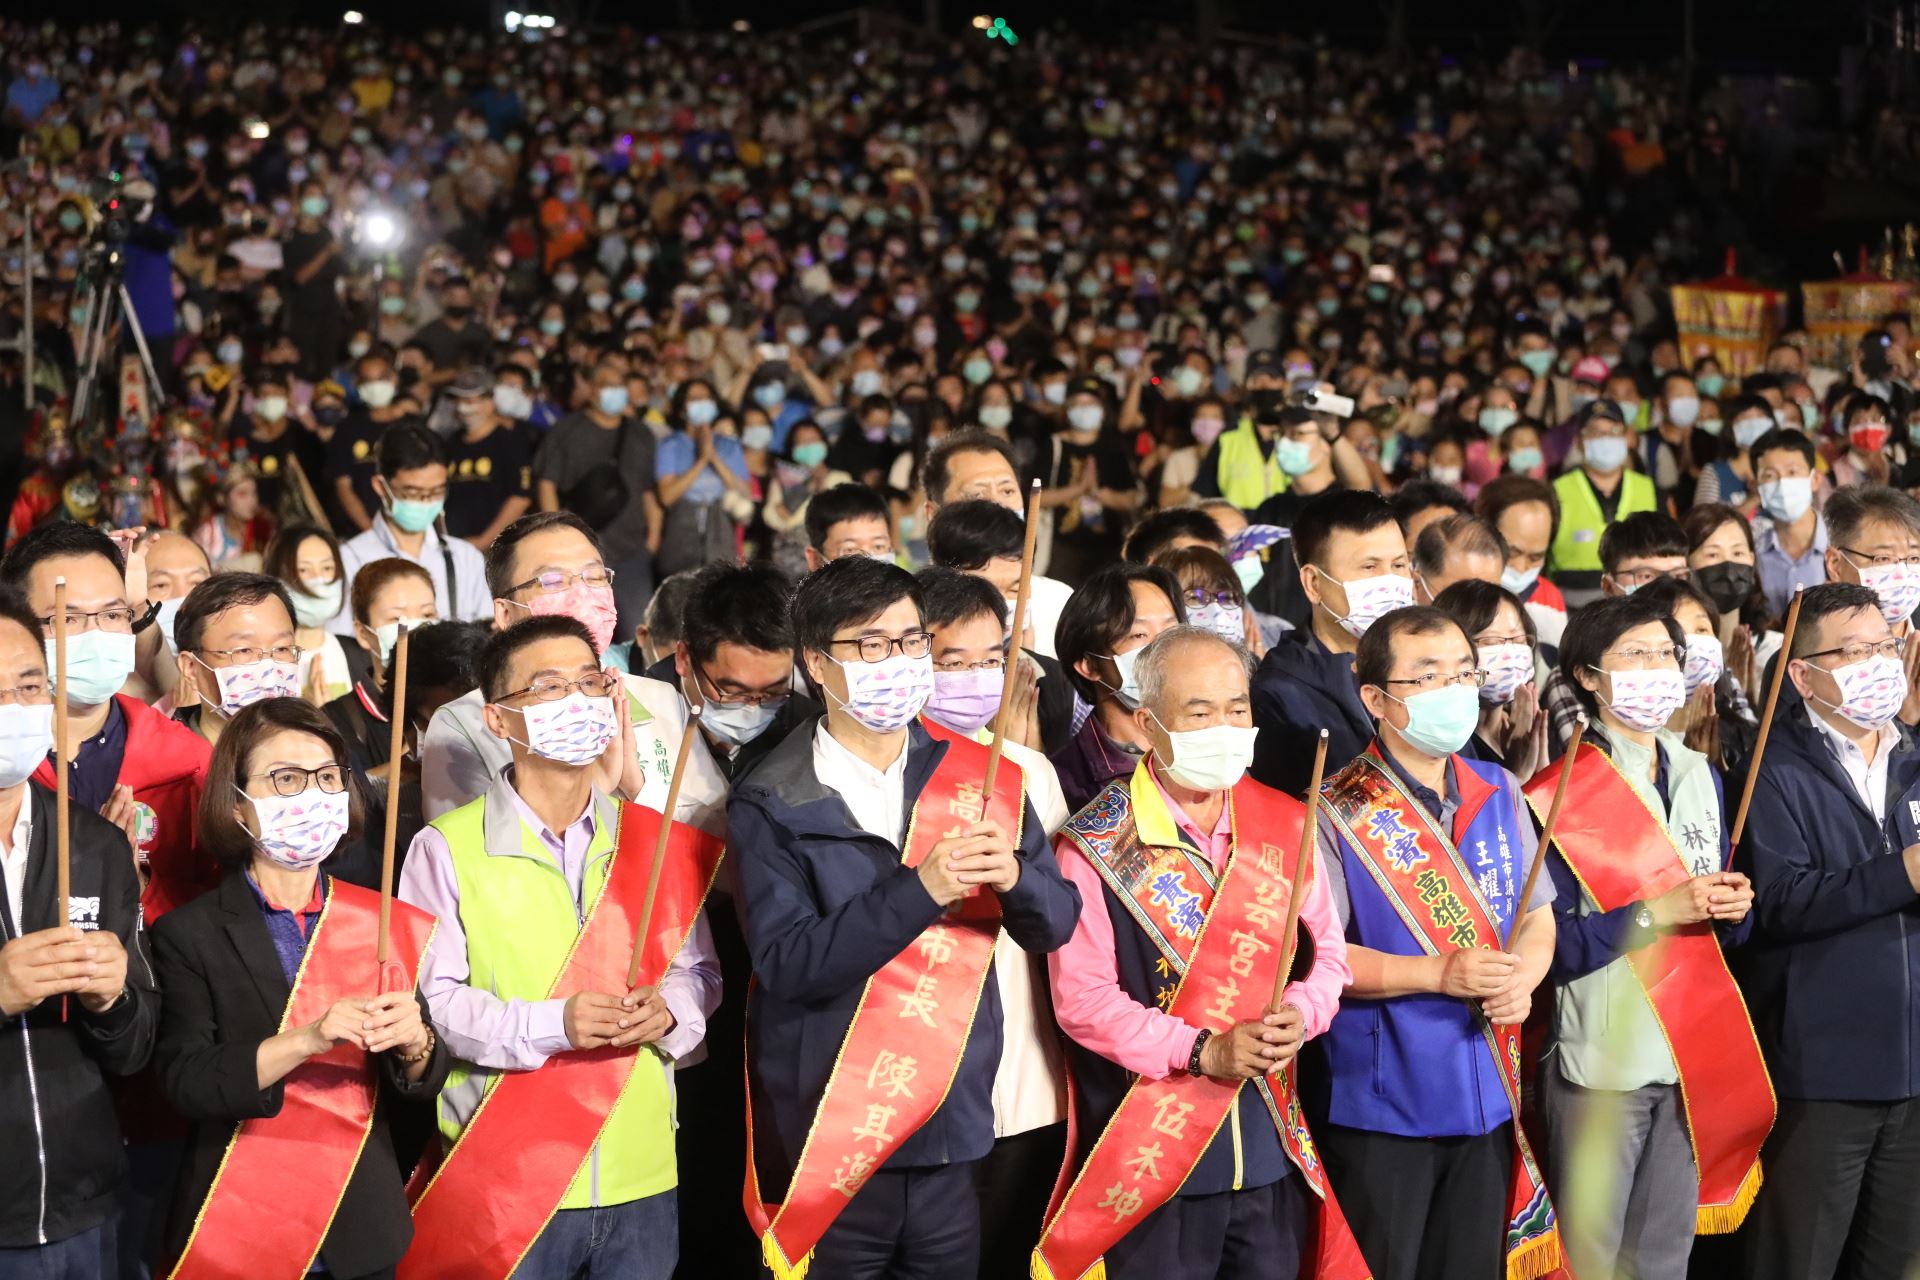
(1319, 401)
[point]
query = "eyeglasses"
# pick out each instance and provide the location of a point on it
(291, 780)
(1859, 559)
(1864, 650)
(116, 617)
(29, 693)
(1200, 597)
(1485, 642)
(1640, 659)
(247, 657)
(554, 688)
(1435, 680)
(411, 494)
(1641, 577)
(711, 691)
(560, 579)
(985, 664)
(914, 644)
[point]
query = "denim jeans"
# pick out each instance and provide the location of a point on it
(639, 1240)
(87, 1256)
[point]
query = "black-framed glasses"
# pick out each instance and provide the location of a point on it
(553, 688)
(560, 579)
(291, 780)
(1435, 680)
(914, 644)
(1864, 650)
(1859, 559)
(115, 617)
(711, 692)
(246, 657)
(409, 493)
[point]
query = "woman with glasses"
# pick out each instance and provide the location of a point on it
(1653, 1086)
(1717, 719)
(307, 559)
(1214, 599)
(1513, 724)
(278, 1034)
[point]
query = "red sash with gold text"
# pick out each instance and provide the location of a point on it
(523, 1146)
(274, 1196)
(1422, 875)
(1622, 853)
(903, 1048)
(1221, 943)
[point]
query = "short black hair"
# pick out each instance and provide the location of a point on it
(496, 655)
(970, 534)
(666, 614)
(1817, 604)
(1504, 492)
(852, 589)
(737, 604)
(1153, 535)
(1850, 508)
(446, 655)
(219, 593)
(1373, 665)
(59, 539)
(850, 501)
(407, 447)
(936, 471)
(1100, 614)
(1415, 496)
(1789, 438)
(14, 608)
(1469, 535)
(500, 574)
(950, 596)
(1641, 536)
(1669, 592)
(1474, 604)
(1593, 629)
(1337, 510)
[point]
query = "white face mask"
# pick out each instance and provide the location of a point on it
(1209, 759)
(1129, 691)
(574, 730)
(26, 736)
(1787, 498)
(1370, 599)
(315, 602)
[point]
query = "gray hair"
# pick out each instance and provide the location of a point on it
(1156, 661)
(1850, 508)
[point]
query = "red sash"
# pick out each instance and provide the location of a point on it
(523, 1146)
(1622, 853)
(903, 1047)
(1437, 898)
(279, 1185)
(1219, 942)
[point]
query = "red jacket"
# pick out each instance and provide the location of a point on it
(166, 765)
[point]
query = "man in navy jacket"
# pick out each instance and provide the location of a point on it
(1833, 971)
(1353, 568)
(818, 830)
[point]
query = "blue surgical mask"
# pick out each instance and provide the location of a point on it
(1440, 721)
(1747, 431)
(810, 454)
(769, 395)
(1787, 498)
(98, 663)
(1494, 420)
(414, 516)
(1249, 569)
(1294, 456)
(737, 722)
(612, 399)
(1519, 581)
(1605, 453)
(702, 412)
(1525, 459)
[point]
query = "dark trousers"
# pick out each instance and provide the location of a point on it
(1255, 1234)
(91, 1255)
(1842, 1193)
(638, 1240)
(1014, 1182)
(1423, 1208)
(905, 1224)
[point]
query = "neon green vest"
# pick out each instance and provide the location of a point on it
(521, 923)
(1246, 478)
(1577, 545)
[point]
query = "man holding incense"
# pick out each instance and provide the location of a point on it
(566, 1168)
(877, 865)
(1427, 855)
(1204, 1169)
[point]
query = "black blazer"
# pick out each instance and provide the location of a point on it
(222, 995)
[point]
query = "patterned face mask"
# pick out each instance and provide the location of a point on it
(1706, 659)
(1508, 666)
(885, 696)
(243, 686)
(574, 730)
(298, 832)
(1870, 692)
(1645, 700)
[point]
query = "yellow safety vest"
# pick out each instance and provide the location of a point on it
(1576, 546)
(1246, 478)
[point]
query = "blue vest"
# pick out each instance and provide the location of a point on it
(1419, 1066)
(1106, 826)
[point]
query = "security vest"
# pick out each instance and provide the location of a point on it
(1576, 546)
(1246, 477)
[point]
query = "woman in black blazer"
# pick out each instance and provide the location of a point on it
(278, 800)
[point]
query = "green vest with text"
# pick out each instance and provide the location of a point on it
(1246, 477)
(1576, 546)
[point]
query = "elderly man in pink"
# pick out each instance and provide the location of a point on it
(1165, 990)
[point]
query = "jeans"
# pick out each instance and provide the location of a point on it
(638, 1240)
(91, 1255)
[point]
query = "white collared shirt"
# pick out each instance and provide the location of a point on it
(14, 858)
(1869, 780)
(875, 797)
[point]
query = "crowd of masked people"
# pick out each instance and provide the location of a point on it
(588, 487)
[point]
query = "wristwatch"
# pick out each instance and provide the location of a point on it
(1643, 916)
(1199, 1044)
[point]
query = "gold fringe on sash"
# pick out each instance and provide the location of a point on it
(1041, 1271)
(777, 1261)
(1536, 1258)
(1723, 1219)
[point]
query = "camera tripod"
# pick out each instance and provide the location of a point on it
(106, 294)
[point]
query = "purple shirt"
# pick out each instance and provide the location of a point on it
(520, 1035)
(1089, 761)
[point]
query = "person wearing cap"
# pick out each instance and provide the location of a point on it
(1594, 495)
(1244, 466)
(1090, 484)
(1588, 375)
(489, 463)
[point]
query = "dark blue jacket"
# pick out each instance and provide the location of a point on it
(825, 906)
(1832, 974)
(1301, 688)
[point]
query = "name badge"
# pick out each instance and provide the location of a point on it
(1584, 535)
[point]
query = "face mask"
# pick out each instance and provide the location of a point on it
(1706, 659)
(573, 731)
(1897, 585)
(591, 607)
(769, 395)
(1210, 759)
(270, 408)
(1188, 380)
(1207, 430)
(1440, 721)
(1518, 581)
(1508, 666)
(977, 371)
(315, 602)
(413, 516)
(239, 687)
(230, 353)
(512, 402)
(1128, 694)
(313, 206)
(885, 696)
(964, 701)
(26, 736)
(1085, 417)
(1869, 438)
(1870, 692)
(1295, 457)
(297, 832)
(996, 417)
(98, 663)
(1787, 498)
(1526, 460)
(758, 437)
(377, 394)
(1228, 621)
(611, 400)
(1369, 599)
(1446, 475)
(1537, 362)
(738, 723)
(1605, 453)
(1645, 700)
(1747, 431)
(1728, 584)
(1054, 393)
(866, 382)
(1683, 411)
(388, 635)
(1495, 421)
